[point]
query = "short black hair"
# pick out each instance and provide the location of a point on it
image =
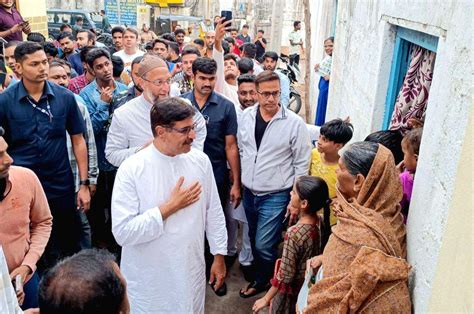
(231, 56)
(249, 50)
(50, 49)
(2, 131)
(79, 18)
(12, 43)
(117, 29)
(270, 54)
(95, 54)
(246, 78)
(337, 130)
(233, 29)
(169, 37)
(102, 11)
(199, 41)
(204, 65)
(230, 40)
(225, 46)
(84, 52)
(161, 40)
(295, 23)
(118, 66)
(26, 48)
(245, 26)
(245, 65)
(168, 111)
(261, 31)
(179, 31)
(86, 282)
(63, 35)
(267, 76)
(36, 37)
(190, 50)
(63, 26)
(90, 35)
(136, 61)
(173, 46)
(391, 139)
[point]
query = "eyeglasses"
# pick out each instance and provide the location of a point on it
(184, 131)
(268, 94)
(159, 82)
(245, 93)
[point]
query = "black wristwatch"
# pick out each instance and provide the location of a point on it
(85, 182)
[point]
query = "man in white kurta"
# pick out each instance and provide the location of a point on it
(162, 237)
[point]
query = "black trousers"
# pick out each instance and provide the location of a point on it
(99, 215)
(295, 59)
(65, 234)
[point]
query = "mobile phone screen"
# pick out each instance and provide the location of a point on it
(227, 15)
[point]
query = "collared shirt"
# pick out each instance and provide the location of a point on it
(296, 38)
(76, 63)
(221, 120)
(77, 84)
(36, 139)
(93, 172)
(100, 113)
(124, 97)
(7, 21)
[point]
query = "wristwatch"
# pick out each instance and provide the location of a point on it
(85, 182)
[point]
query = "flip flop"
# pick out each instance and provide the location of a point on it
(252, 285)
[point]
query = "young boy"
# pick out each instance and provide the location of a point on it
(324, 159)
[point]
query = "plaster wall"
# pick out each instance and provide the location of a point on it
(365, 37)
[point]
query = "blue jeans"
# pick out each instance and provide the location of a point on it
(31, 293)
(265, 215)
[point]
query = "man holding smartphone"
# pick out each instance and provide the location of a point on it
(11, 22)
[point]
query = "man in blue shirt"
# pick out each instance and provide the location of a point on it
(98, 97)
(36, 114)
(220, 144)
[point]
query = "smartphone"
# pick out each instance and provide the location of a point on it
(227, 15)
(24, 23)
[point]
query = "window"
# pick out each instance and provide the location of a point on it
(405, 40)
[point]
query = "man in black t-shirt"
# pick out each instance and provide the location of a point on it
(261, 44)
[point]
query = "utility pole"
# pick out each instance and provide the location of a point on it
(118, 13)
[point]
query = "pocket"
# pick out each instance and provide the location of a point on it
(58, 126)
(20, 130)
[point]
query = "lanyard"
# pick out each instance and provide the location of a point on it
(48, 112)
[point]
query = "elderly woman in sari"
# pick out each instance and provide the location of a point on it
(364, 267)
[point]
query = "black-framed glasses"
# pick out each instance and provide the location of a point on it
(268, 94)
(158, 82)
(184, 131)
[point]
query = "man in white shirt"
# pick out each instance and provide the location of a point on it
(164, 201)
(296, 43)
(130, 129)
(130, 49)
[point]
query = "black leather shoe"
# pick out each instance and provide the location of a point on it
(222, 291)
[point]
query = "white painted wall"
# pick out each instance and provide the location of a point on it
(361, 68)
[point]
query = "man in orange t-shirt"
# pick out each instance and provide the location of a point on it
(25, 224)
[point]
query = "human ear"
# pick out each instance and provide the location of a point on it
(359, 182)
(304, 204)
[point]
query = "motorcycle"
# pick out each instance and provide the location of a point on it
(292, 72)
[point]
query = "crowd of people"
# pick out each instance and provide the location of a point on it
(126, 173)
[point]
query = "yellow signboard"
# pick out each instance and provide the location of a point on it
(166, 3)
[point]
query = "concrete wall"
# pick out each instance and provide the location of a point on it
(35, 12)
(87, 5)
(361, 67)
(452, 289)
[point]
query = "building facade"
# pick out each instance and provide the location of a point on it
(370, 37)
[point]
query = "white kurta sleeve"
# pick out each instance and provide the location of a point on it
(117, 148)
(129, 226)
(216, 231)
(218, 56)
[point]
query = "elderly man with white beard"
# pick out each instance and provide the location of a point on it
(130, 129)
